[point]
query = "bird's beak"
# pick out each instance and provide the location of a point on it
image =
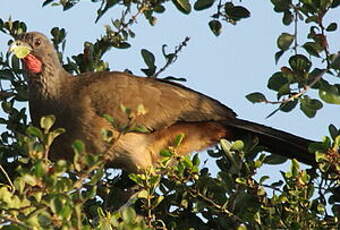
(20, 49)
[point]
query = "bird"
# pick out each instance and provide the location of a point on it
(164, 109)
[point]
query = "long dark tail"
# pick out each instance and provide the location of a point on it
(276, 141)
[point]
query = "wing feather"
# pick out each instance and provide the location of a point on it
(165, 103)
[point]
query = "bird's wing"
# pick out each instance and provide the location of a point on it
(164, 103)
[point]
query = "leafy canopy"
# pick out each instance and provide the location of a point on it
(182, 192)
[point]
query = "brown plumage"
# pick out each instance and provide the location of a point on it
(79, 103)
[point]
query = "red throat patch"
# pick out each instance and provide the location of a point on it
(32, 64)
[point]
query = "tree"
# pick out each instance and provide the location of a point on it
(36, 193)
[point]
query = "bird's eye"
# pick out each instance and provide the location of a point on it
(37, 42)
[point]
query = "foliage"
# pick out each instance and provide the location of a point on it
(292, 82)
(180, 193)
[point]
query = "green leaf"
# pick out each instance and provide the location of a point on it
(330, 94)
(140, 129)
(289, 106)
(98, 175)
(5, 195)
(336, 62)
(332, 27)
(165, 153)
(15, 63)
(277, 183)
(215, 27)
(7, 106)
(159, 9)
(54, 134)
(122, 45)
(56, 205)
(237, 145)
(276, 81)
(307, 111)
(313, 18)
(171, 78)
(150, 71)
(157, 201)
(183, 6)
(288, 18)
(321, 208)
(148, 57)
(125, 109)
(19, 184)
(6, 74)
(46, 2)
(31, 180)
(334, 5)
(284, 90)
(278, 55)
(128, 214)
(313, 48)
(256, 97)
(294, 168)
(238, 12)
(203, 4)
(310, 106)
(178, 140)
(300, 63)
(35, 132)
(137, 178)
(226, 146)
(66, 212)
(284, 41)
(333, 131)
(78, 146)
(214, 154)
(240, 180)
(40, 169)
(242, 227)
(109, 118)
(319, 157)
(336, 145)
(141, 110)
(196, 160)
(320, 146)
(275, 159)
(281, 5)
(143, 194)
(263, 179)
(47, 122)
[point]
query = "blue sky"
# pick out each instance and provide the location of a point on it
(227, 68)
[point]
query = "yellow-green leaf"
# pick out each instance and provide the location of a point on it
(21, 51)
(183, 5)
(46, 122)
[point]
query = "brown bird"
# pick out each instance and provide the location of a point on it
(79, 103)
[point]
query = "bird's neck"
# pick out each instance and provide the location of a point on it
(50, 84)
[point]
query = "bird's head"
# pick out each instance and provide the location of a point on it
(35, 50)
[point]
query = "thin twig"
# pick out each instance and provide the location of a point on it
(8, 178)
(174, 58)
(303, 91)
(296, 19)
(324, 42)
(83, 176)
(194, 193)
(272, 187)
(14, 221)
(133, 18)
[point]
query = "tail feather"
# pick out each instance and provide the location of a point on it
(276, 141)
